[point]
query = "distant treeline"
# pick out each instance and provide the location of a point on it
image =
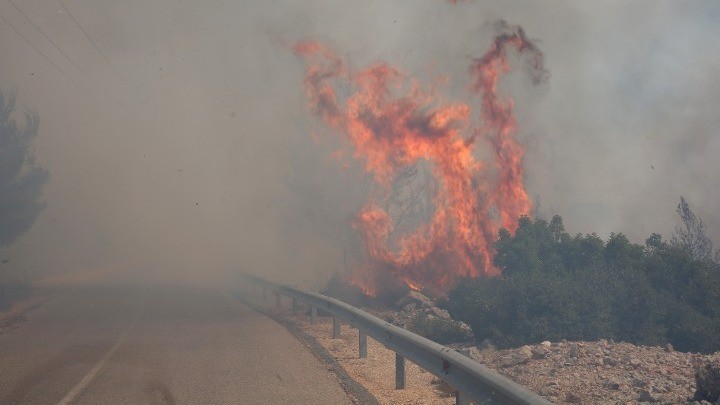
(556, 286)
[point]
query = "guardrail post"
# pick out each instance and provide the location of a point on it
(294, 306)
(399, 372)
(480, 385)
(461, 399)
(336, 327)
(362, 344)
(278, 301)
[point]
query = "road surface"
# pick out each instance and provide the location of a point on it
(157, 345)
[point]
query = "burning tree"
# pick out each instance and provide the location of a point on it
(428, 231)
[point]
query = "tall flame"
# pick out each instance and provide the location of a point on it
(394, 123)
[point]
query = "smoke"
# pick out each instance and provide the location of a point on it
(201, 165)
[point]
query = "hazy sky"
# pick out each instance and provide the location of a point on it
(194, 150)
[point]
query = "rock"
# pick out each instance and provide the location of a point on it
(525, 351)
(611, 384)
(546, 343)
(707, 379)
(609, 361)
(410, 307)
(635, 363)
(646, 396)
(514, 360)
(572, 398)
(573, 352)
(466, 328)
(669, 348)
(677, 379)
(637, 382)
(416, 298)
(539, 353)
(440, 313)
(521, 356)
(549, 391)
(471, 352)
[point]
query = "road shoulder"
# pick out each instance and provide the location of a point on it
(356, 391)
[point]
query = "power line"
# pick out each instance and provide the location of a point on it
(93, 42)
(48, 60)
(51, 41)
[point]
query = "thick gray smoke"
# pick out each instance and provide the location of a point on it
(186, 148)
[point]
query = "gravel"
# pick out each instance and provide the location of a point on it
(602, 372)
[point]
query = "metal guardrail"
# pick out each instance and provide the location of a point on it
(474, 382)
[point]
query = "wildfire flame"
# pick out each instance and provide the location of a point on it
(393, 123)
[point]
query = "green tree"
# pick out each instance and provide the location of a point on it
(554, 286)
(557, 229)
(21, 181)
(692, 235)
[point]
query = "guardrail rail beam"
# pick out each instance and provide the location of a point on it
(474, 382)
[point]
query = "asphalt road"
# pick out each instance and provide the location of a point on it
(157, 345)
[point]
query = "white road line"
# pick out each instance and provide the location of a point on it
(80, 387)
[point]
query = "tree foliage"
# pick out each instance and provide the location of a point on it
(692, 235)
(556, 286)
(21, 181)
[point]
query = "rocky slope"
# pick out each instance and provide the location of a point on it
(599, 372)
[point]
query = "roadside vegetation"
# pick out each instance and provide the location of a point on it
(557, 286)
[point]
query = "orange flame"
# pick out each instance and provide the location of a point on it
(393, 123)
